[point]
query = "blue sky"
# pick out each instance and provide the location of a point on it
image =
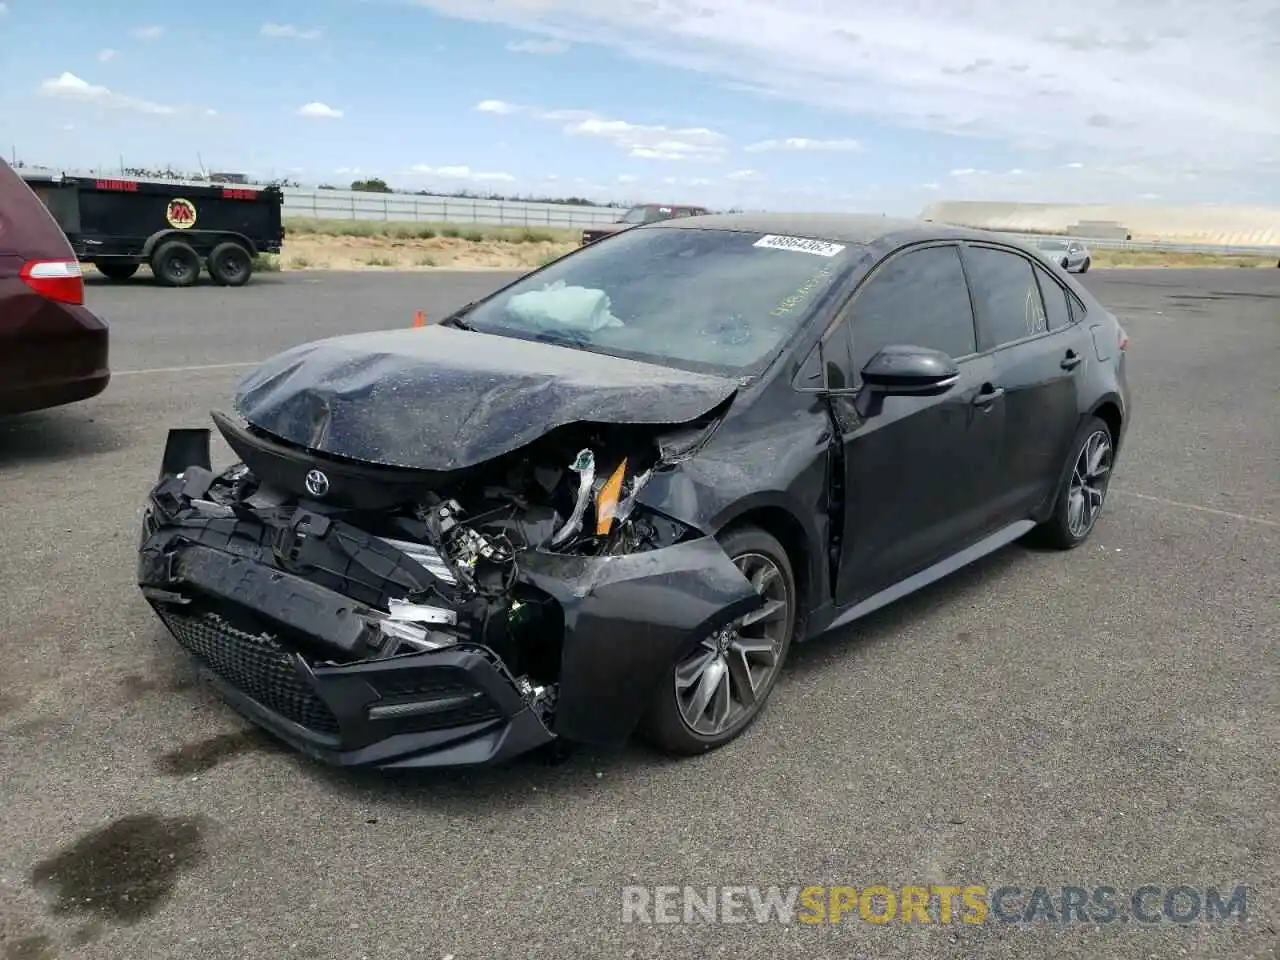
(803, 104)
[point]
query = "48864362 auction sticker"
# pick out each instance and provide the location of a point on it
(820, 248)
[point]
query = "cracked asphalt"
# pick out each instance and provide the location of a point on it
(1106, 717)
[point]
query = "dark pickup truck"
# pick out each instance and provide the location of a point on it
(643, 213)
(174, 228)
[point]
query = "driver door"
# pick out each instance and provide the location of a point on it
(920, 472)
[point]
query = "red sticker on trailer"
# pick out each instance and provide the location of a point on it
(229, 193)
(128, 186)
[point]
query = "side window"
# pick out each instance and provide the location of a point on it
(917, 299)
(1057, 310)
(1006, 296)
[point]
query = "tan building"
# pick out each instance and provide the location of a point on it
(1219, 225)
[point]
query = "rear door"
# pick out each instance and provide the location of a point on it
(1025, 329)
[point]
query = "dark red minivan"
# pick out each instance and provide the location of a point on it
(53, 349)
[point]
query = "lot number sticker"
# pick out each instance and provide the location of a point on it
(820, 248)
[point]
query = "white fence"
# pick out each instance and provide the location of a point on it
(355, 205)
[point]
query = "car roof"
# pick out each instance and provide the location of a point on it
(861, 228)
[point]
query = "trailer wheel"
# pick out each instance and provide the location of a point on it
(175, 264)
(230, 265)
(115, 271)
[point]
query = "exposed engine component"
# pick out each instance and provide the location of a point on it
(585, 467)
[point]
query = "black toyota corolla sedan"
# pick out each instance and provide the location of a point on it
(609, 497)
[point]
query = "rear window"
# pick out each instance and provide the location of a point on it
(706, 300)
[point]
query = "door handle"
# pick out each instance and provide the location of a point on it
(987, 397)
(1071, 360)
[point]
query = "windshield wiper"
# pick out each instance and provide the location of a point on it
(455, 319)
(564, 339)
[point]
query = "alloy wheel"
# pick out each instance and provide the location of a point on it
(1088, 486)
(724, 678)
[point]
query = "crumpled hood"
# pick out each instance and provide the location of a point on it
(438, 398)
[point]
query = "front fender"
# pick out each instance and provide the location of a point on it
(626, 620)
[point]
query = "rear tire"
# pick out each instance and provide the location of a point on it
(115, 271)
(1083, 492)
(230, 265)
(175, 264)
(757, 651)
(1084, 267)
(1066, 264)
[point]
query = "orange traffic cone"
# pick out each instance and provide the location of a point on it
(419, 319)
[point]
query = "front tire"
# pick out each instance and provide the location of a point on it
(1084, 491)
(175, 264)
(1084, 267)
(115, 271)
(719, 685)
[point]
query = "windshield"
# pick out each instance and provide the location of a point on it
(646, 214)
(712, 301)
(1053, 245)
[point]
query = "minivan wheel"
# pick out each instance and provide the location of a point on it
(230, 265)
(1084, 267)
(1084, 491)
(175, 264)
(717, 687)
(115, 271)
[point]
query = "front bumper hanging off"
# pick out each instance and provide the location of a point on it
(293, 655)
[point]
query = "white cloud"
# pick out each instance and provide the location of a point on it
(543, 48)
(652, 142)
(1117, 86)
(496, 106)
(68, 86)
(4, 8)
(462, 173)
(963, 172)
(805, 144)
(105, 55)
(745, 176)
(643, 141)
(290, 32)
(320, 111)
(147, 33)
(627, 178)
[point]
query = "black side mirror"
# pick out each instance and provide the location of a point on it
(906, 371)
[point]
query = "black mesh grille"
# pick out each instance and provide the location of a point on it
(254, 664)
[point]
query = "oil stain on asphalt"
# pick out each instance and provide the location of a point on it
(205, 754)
(124, 871)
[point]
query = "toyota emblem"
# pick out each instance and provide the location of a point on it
(317, 483)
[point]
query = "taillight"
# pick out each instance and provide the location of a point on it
(59, 280)
(1122, 338)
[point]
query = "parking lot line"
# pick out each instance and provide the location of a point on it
(1199, 509)
(195, 369)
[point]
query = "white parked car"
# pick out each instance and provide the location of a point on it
(1071, 255)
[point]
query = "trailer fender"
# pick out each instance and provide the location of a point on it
(203, 240)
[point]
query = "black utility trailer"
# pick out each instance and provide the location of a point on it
(172, 227)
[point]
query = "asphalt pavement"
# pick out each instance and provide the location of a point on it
(1105, 717)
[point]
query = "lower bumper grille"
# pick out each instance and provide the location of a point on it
(254, 664)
